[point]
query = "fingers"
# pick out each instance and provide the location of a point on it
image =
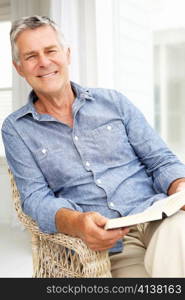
(94, 234)
(99, 219)
(183, 208)
(104, 244)
(105, 239)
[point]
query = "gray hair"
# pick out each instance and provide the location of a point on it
(31, 22)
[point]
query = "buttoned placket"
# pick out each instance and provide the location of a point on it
(77, 140)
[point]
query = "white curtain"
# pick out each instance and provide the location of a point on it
(77, 20)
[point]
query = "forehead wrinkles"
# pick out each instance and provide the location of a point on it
(36, 39)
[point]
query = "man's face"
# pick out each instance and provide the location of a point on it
(43, 62)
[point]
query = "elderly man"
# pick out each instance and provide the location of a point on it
(80, 156)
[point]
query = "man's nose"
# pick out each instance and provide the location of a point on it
(43, 61)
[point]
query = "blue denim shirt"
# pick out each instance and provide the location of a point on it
(111, 161)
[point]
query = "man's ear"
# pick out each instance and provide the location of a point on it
(18, 68)
(68, 54)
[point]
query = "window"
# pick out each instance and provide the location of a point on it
(168, 25)
(169, 61)
(5, 76)
(133, 53)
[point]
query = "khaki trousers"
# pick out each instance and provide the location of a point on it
(154, 249)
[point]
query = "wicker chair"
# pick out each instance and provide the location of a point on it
(60, 255)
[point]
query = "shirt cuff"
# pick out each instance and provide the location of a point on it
(46, 216)
(164, 179)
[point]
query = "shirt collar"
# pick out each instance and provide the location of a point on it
(81, 93)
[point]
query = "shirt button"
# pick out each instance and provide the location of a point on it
(111, 204)
(99, 181)
(76, 138)
(87, 164)
(44, 151)
(109, 127)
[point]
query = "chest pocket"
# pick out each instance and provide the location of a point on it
(112, 145)
(59, 165)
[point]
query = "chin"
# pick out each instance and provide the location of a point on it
(48, 88)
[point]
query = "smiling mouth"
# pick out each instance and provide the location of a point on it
(48, 75)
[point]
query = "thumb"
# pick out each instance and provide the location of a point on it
(180, 187)
(99, 219)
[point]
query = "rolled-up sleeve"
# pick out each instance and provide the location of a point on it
(160, 162)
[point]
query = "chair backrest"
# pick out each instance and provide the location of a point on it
(24, 219)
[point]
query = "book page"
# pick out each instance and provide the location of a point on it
(145, 216)
(168, 205)
(174, 203)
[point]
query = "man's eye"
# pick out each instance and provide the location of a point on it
(31, 56)
(51, 51)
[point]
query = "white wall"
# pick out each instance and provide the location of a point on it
(167, 14)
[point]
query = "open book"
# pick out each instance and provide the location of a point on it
(160, 209)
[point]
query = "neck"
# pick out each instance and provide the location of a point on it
(59, 105)
(60, 101)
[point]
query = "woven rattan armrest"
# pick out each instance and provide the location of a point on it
(60, 255)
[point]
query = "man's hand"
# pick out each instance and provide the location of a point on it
(177, 186)
(180, 187)
(88, 226)
(92, 232)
